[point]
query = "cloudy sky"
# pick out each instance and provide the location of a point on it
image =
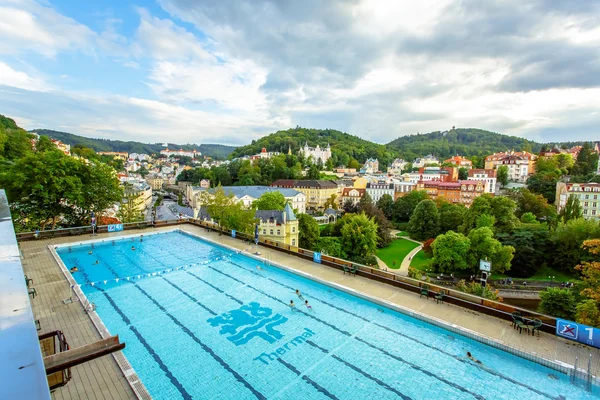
(231, 71)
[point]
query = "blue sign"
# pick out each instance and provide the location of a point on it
(233, 233)
(578, 332)
(115, 227)
(248, 322)
(317, 257)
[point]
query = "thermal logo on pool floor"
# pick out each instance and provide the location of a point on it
(249, 321)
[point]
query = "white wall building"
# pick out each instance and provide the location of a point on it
(423, 161)
(175, 153)
(377, 189)
(398, 165)
(486, 175)
(316, 153)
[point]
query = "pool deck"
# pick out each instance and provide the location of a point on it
(102, 379)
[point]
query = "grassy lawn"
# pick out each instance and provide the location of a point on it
(542, 275)
(402, 233)
(397, 250)
(420, 261)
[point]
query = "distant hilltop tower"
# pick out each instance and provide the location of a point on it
(316, 153)
(290, 150)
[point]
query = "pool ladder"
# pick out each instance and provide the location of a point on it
(581, 375)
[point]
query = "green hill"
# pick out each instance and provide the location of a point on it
(343, 145)
(217, 151)
(467, 142)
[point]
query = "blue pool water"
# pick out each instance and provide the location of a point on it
(219, 328)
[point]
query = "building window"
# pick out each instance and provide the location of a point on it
(264, 231)
(278, 232)
(293, 229)
(271, 232)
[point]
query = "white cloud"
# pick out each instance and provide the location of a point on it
(19, 79)
(28, 26)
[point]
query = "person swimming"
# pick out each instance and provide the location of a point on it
(74, 269)
(258, 267)
(292, 305)
(299, 294)
(90, 252)
(308, 306)
(97, 262)
(132, 247)
(472, 358)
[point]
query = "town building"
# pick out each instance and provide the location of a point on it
(65, 148)
(587, 193)
(143, 192)
(179, 153)
(123, 155)
(138, 156)
(377, 189)
(352, 194)
(521, 164)
(317, 192)
(446, 174)
(316, 153)
(398, 165)
(345, 171)
(248, 194)
(278, 226)
(463, 192)
(205, 184)
(371, 166)
(486, 175)
(428, 160)
(264, 154)
(402, 188)
(156, 182)
(459, 162)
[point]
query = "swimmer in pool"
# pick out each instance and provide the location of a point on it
(258, 267)
(90, 252)
(299, 294)
(132, 247)
(472, 358)
(308, 306)
(74, 269)
(97, 262)
(292, 305)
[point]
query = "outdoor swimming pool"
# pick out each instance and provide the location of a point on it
(219, 328)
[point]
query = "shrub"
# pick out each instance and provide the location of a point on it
(477, 289)
(365, 260)
(558, 302)
(427, 247)
(414, 273)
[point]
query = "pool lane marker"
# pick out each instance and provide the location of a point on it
(497, 374)
(189, 296)
(307, 379)
(214, 287)
(207, 349)
(148, 348)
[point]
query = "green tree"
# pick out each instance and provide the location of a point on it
(503, 209)
(534, 203)
(485, 220)
(405, 205)
(364, 202)
(532, 244)
(557, 302)
(128, 209)
(218, 204)
(587, 161)
(567, 243)
(450, 252)
(425, 221)
(463, 173)
(331, 246)
(359, 235)
(239, 218)
(308, 231)
(143, 171)
(481, 205)
(451, 216)
(270, 201)
(353, 164)
(572, 210)
(485, 247)
(529, 218)
(386, 205)
(502, 175)
(331, 202)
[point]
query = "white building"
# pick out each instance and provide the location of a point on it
(178, 153)
(398, 165)
(139, 157)
(488, 176)
(427, 160)
(264, 154)
(371, 166)
(316, 153)
(587, 193)
(377, 189)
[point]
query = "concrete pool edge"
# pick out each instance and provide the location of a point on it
(134, 381)
(556, 365)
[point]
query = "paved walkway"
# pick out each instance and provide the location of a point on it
(102, 379)
(406, 262)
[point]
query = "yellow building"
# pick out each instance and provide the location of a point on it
(317, 192)
(156, 183)
(278, 226)
(360, 183)
(142, 192)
